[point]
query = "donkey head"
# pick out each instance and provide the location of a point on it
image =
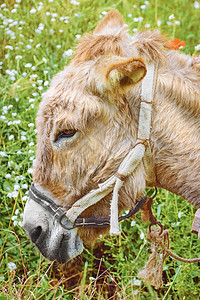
(86, 125)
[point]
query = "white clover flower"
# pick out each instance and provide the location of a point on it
(20, 223)
(37, 31)
(13, 194)
(137, 282)
(11, 137)
(69, 52)
(171, 17)
(33, 11)
(30, 171)
(24, 186)
(159, 22)
(78, 36)
(180, 214)
(25, 198)
(196, 5)
(18, 57)
(142, 235)
(74, 2)
(133, 223)
(29, 65)
(31, 144)
(46, 83)
(12, 266)
(16, 187)
(17, 122)
(197, 48)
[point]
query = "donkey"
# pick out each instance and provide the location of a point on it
(87, 124)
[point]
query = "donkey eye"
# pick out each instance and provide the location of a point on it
(65, 134)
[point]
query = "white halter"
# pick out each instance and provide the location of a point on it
(130, 162)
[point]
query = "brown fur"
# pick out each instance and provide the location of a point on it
(105, 114)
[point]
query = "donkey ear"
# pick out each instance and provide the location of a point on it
(124, 73)
(112, 23)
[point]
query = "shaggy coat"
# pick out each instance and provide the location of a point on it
(98, 95)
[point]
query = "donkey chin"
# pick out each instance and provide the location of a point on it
(52, 240)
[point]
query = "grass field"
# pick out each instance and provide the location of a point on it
(37, 40)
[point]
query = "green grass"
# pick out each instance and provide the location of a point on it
(34, 37)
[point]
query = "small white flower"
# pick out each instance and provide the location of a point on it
(133, 223)
(3, 154)
(7, 55)
(12, 266)
(29, 65)
(129, 15)
(169, 23)
(140, 19)
(177, 22)
(25, 198)
(31, 125)
(24, 186)
(16, 187)
(136, 282)
(69, 52)
(33, 11)
(7, 176)
(136, 20)
(147, 25)
(30, 171)
(11, 137)
(74, 2)
(18, 57)
(24, 74)
(14, 218)
(28, 46)
(142, 235)
(16, 211)
(78, 36)
(143, 7)
(38, 45)
(19, 152)
(197, 48)
(20, 223)
(32, 158)
(196, 5)
(44, 59)
(180, 214)
(31, 144)
(159, 23)
(104, 13)
(171, 17)
(46, 83)
(53, 19)
(23, 138)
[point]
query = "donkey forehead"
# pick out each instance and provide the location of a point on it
(70, 99)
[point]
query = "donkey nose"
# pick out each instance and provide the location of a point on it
(36, 233)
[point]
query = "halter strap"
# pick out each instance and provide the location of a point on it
(60, 215)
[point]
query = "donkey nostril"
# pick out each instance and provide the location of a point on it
(36, 234)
